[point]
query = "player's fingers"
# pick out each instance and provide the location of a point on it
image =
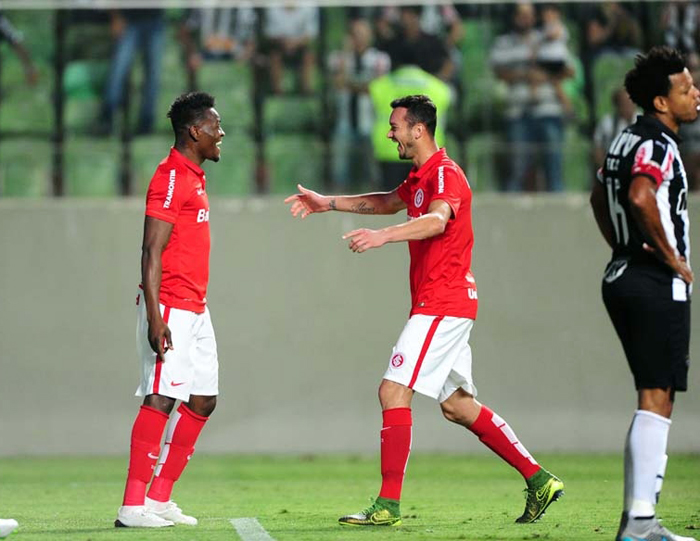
(291, 198)
(648, 248)
(351, 234)
(168, 339)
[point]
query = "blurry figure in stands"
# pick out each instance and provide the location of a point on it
(352, 69)
(10, 34)
(217, 34)
(289, 35)
(608, 127)
(134, 30)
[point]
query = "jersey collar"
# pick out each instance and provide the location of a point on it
(180, 158)
(654, 122)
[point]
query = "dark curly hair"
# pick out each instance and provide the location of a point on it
(650, 76)
(420, 108)
(189, 109)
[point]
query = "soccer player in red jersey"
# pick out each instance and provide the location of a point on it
(432, 355)
(175, 338)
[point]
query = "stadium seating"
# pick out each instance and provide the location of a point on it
(293, 159)
(91, 166)
(25, 168)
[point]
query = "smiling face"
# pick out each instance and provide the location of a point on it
(683, 98)
(402, 133)
(210, 135)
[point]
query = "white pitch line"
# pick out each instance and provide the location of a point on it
(249, 529)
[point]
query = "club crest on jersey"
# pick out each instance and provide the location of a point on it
(397, 360)
(418, 198)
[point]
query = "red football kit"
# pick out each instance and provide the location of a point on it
(441, 280)
(177, 195)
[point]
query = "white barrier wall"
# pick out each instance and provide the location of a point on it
(305, 329)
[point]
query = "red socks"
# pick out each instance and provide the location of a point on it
(183, 432)
(145, 448)
(495, 433)
(396, 446)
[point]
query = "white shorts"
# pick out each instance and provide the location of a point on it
(433, 356)
(191, 367)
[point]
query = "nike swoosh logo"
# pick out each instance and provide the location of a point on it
(173, 384)
(151, 455)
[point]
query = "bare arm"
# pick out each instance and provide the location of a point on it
(601, 214)
(156, 234)
(308, 202)
(642, 197)
(431, 224)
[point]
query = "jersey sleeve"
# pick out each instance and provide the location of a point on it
(654, 160)
(449, 186)
(404, 192)
(167, 193)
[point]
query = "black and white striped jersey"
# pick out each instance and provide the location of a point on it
(647, 148)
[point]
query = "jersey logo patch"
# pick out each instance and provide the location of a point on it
(418, 198)
(397, 360)
(171, 190)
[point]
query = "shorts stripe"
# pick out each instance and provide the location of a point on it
(159, 361)
(424, 349)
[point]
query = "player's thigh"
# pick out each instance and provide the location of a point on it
(205, 358)
(426, 351)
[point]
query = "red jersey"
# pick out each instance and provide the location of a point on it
(441, 280)
(176, 195)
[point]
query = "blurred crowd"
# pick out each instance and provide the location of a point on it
(551, 70)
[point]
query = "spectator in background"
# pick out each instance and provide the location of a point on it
(134, 30)
(217, 34)
(608, 127)
(412, 45)
(441, 21)
(680, 22)
(532, 68)
(289, 33)
(402, 81)
(352, 70)
(613, 29)
(10, 34)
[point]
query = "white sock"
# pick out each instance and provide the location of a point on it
(645, 457)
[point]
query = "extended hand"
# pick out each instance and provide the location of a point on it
(307, 202)
(159, 338)
(364, 239)
(679, 264)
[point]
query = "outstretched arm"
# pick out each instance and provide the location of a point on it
(431, 224)
(307, 202)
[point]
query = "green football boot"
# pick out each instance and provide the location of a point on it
(543, 489)
(382, 512)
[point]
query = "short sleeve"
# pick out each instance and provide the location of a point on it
(166, 195)
(649, 160)
(404, 192)
(449, 187)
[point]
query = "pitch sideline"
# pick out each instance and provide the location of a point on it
(249, 529)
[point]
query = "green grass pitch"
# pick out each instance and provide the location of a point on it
(446, 497)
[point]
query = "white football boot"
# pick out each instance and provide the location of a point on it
(169, 511)
(137, 516)
(7, 526)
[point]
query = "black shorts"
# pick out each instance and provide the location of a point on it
(654, 329)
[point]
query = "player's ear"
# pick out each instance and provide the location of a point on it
(194, 132)
(661, 104)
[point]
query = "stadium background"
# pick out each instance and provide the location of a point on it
(304, 326)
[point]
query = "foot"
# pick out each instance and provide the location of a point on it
(169, 511)
(7, 526)
(137, 516)
(543, 489)
(647, 529)
(381, 513)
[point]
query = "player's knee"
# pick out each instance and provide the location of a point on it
(202, 405)
(451, 413)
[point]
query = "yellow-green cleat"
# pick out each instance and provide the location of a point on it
(380, 513)
(543, 489)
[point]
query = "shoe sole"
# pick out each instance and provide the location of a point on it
(119, 524)
(557, 494)
(385, 524)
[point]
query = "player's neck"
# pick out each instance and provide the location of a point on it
(424, 154)
(668, 121)
(189, 153)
